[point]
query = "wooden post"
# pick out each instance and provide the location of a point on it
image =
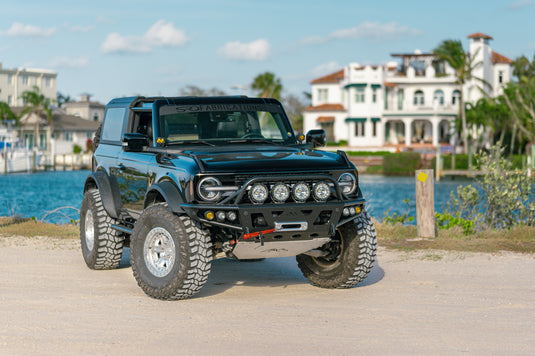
(425, 203)
(33, 162)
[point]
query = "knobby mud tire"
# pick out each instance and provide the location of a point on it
(358, 249)
(107, 246)
(193, 254)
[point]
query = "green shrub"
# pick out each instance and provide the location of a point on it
(76, 149)
(401, 164)
(461, 161)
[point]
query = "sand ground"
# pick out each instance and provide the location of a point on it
(412, 303)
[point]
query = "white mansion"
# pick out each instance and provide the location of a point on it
(407, 103)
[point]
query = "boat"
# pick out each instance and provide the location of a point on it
(14, 156)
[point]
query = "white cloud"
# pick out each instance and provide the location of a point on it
(519, 4)
(161, 34)
(371, 31)
(165, 34)
(326, 68)
(258, 50)
(20, 30)
(69, 62)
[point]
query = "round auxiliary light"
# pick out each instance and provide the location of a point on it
(280, 193)
(231, 216)
(348, 183)
(345, 211)
(220, 215)
(321, 191)
(258, 193)
(207, 189)
(301, 192)
(352, 210)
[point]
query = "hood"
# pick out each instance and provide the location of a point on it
(269, 159)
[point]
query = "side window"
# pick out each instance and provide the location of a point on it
(113, 124)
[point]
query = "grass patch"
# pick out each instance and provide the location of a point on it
(19, 226)
(402, 237)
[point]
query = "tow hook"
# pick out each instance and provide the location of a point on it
(259, 234)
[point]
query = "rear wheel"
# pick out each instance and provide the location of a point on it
(102, 246)
(170, 254)
(350, 256)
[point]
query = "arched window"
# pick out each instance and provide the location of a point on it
(418, 97)
(438, 97)
(455, 97)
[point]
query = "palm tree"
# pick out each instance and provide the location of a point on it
(267, 85)
(6, 113)
(36, 103)
(464, 65)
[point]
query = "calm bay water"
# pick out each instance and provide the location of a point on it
(40, 193)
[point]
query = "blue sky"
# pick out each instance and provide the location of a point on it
(122, 48)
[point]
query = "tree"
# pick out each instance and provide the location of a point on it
(63, 99)
(464, 65)
(294, 108)
(6, 114)
(267, 85)
(36, 103)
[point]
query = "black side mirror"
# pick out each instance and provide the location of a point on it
(316, 138)
(134, 142)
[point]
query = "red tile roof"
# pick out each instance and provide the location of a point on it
(330, 78)
(326, 107)
(480, 35)
(498, 58)
(325, 119)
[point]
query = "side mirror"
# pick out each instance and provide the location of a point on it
(316, 138)
(134, 142)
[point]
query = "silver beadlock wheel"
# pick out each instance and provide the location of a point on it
(159, 252)
(89, 230)
(170, 254)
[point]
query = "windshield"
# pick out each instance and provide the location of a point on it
(224, 123)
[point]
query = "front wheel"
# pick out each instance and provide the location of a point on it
(170, 254)
(350, 256)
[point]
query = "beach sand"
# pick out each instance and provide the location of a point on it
(424, 302)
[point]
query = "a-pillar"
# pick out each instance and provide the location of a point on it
(408, 130)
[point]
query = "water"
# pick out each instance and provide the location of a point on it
(40, 193)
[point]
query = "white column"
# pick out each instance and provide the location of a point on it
(435, 123)
(408, 127)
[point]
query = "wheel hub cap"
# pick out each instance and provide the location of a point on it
(159, 252)
(89, 230)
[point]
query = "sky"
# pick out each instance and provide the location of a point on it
(123, 48)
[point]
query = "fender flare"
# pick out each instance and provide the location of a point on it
(169, 193)
(109, 191)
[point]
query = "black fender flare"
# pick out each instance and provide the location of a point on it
(169, 193)
(109, 191)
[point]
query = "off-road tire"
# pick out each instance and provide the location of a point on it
(188, 271)
(104, 248)
(353, 261)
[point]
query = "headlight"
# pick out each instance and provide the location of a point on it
(280, 193)
(258, 193)
(321, 191)
(301, 192)
(348, 183)
(208, 189)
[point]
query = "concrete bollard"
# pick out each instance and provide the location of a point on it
(425, 203)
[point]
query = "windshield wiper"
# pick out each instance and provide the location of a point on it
(199, 142)
(256, 140)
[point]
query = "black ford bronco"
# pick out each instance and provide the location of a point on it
(184, 180)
